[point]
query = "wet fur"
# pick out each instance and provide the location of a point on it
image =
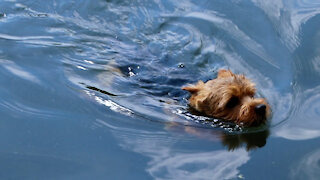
(230, 97)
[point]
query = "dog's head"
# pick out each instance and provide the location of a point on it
(230, 97)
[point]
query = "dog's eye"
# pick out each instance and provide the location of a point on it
(232, 102)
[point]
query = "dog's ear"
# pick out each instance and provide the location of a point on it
(194, 88)
(191, 89)
(223, 73)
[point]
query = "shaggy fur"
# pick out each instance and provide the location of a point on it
(229, 97)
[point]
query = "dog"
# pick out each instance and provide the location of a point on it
(230, 97)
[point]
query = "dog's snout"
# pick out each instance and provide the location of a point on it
(261, 109)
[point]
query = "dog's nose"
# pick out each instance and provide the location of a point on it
(261, 109)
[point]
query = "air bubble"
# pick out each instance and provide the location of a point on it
(181, 65)
(131, 74)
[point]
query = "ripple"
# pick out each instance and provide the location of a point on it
(118, 67)
(177, 166)
(289, 16)
(303, 122)
(166, 163)
(36, 40)
(234, 31)
(15, 107)
(112, 105)
(19, 71)
(148, 66)
(307, 167)
(152, 64)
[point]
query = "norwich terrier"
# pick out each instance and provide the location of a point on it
(229, 97)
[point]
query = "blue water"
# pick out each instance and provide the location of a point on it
(92, 89)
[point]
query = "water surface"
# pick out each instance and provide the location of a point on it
(92, 89)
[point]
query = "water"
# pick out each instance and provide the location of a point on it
(91, 89)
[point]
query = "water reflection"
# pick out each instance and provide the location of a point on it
(166, 162)
(250, 140)
(288, 16)
(232, 141)
(294, 21)
(233, 30)
(133, 57)
(207, 165)
(307, 167)
(304, 122)
(18, 71)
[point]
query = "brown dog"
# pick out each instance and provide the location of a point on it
(229, 97)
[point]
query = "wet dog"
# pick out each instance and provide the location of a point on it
(229, 97)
